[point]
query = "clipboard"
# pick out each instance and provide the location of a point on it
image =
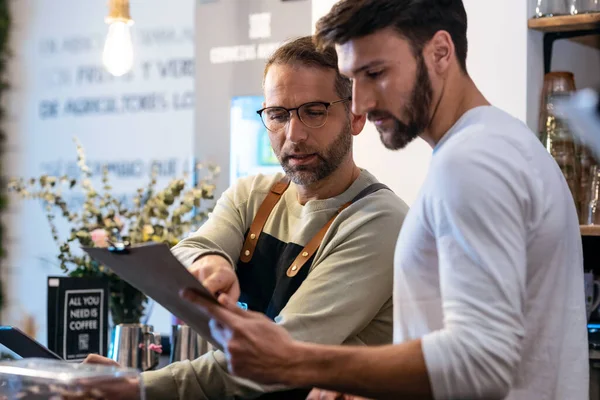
(153, 269)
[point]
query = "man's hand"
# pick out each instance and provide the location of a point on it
(113, 389)
(217, 275)
(98, 359)
(255, 347)
(320, 394)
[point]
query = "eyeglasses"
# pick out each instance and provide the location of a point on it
(313, 115)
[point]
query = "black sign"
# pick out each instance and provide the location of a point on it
(77, 317)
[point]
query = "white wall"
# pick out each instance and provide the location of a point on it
(497, 62)
(52, 43)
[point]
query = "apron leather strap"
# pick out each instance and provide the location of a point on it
(261, 217)
(314, 244)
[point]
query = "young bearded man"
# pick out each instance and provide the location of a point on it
(488, 284)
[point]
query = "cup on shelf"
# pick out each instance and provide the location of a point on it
(552, 8)
(589, 6)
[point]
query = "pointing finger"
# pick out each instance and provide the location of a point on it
(221, 314)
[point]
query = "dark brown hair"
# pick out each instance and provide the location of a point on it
(416, 20)
(303, 51)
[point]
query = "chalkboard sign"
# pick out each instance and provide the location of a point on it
(77, 317)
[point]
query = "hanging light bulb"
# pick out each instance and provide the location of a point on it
(118, 48)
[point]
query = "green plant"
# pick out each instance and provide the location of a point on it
(165, 215)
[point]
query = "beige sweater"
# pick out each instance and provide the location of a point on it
(345, 299)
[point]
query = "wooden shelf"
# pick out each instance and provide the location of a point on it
(583, 28)
(566, 23)
(590, 230)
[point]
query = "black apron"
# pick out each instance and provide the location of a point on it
(270, 271)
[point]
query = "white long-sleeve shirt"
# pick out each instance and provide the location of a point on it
(489, 268)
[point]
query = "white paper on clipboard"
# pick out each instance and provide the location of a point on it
(154, 270)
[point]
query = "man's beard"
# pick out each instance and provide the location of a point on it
(327, 161)
(416, 111)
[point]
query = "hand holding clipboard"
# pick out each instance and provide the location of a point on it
(152, 269)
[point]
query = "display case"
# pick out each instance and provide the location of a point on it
(41, 379)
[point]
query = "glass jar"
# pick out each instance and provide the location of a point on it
(560, 143)
(592, 212)
(558, 82)
(588, 178)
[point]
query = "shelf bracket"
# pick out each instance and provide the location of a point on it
(551, 37)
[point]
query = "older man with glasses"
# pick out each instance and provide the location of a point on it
(313, 248)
